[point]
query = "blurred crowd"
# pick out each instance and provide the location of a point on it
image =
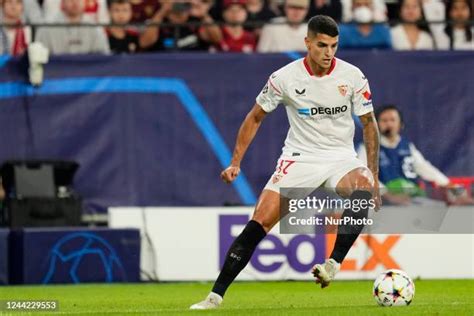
(230, 25)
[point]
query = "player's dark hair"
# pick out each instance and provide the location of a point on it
(110, 2)
(322, 24)
(449, 30)
(389, 107)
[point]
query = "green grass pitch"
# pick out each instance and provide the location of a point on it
(432, 297)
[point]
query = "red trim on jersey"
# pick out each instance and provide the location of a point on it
(273, 86)
(362, 87)
(308, 68)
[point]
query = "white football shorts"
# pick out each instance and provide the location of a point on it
(310, 173)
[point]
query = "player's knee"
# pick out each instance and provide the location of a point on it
(362, 180)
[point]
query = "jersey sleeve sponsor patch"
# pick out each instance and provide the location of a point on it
(362, 97)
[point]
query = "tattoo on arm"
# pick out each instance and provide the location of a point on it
(371, 141)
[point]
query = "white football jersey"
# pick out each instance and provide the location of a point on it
(319, 109)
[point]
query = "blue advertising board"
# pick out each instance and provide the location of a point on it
(74, 255)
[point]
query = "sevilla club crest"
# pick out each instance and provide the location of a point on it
(342, 89)
(276, 178)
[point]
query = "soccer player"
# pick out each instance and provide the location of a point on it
(319, 93)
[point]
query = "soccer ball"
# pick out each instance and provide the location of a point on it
(393, 288)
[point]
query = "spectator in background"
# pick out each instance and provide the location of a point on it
(95, 11)
(121, 38)
(200, 11)
(401, 164)
(258, 13)
(413, 32)
(333, 8)
(15, 37)
(32, 12)
(143, 10)
(459, 34)
(286, 33)
(178, 36)
(234, 37)
(362, 34)
(379, 11)
(70, 39)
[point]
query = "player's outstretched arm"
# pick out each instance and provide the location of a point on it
(372, 146)
(247, 132)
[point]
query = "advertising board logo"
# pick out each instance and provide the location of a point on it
(279, 252)
(271, 259)
(83, 255)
